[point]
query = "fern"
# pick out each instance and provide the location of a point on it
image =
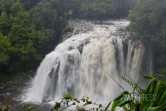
(134, 85)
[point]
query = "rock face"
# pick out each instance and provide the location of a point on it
(84, 63)
(83, 26)
(78, 26)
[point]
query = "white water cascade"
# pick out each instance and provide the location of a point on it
(84, 64)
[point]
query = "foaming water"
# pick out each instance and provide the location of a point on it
(85, 64)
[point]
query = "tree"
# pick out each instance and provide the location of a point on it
(19, 33)
(28, 4)
(34, 27)
(45, 18)
(148, 21)
(4, 50)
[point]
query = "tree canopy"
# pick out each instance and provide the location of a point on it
(148, 20)
(29, 29)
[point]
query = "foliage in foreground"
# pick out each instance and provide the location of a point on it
(153, 98)
(68, 101)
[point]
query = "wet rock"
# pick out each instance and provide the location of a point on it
(114, 41)
(45, 101)
(87, 40)
(8, 94)
(96, 22)
(80, 48)
(81, 45)
(71, 48)
(77, 32)
(71, 59)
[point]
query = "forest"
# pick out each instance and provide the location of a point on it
(148, 24)
(30, 29)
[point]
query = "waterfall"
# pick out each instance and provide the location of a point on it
(84, 64)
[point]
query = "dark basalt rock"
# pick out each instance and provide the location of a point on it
(71, 48)
(80, 48)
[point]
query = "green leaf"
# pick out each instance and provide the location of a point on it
(100, 105)
(162, 99)
(24, 105)
(119, 101)
(107, 106)
(138, 107)
(124, 102)
(30, 108)
(148, 77)
(57, 105)
(161, 92)
(157, 88)
(67, 96)
(114, 104)
(145, 103)
(121, 95)
(154, 109)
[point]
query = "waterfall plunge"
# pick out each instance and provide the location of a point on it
(82, 65)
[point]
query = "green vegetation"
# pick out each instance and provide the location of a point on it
(31, 29)
(80, 105)
(26, 35)
(13, 79)
(94, 9)
(148, 24)
(28, 108)
(152, 98)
